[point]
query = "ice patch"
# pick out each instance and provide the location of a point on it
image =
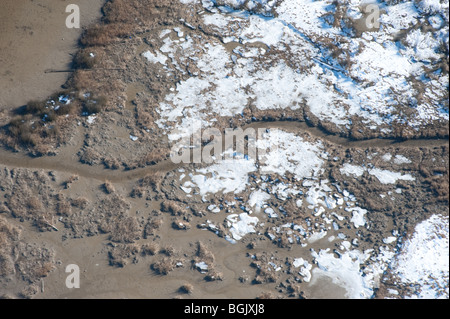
(344, 271)
(424, 259)
(158, 58)
(389, 177)
(241, 225)
(354, 170)
(258, 199)
(226, 176)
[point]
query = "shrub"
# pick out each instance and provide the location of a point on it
(173, 208)
(126, 231)
(186, 289)
(95, 105)
(213, 276)
(168, 251)
(101, 35)
(84, 60)
(80, 202)
(152, 225)
(204, 254)
(163, 266)
(149, 249)
(35, 107)
(108, 187)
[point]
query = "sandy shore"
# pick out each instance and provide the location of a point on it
(34, 38)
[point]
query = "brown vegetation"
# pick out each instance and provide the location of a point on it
(108, 187)
(152, 226)
(186, 289)
(121, 255)
(174, 208)
(149, 249)
(163, 266)
(104, 34)
(127, 230)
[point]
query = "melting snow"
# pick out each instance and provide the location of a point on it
(424, 259)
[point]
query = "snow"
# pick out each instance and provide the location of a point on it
(424, 258)
(91, 119)
(376, 82)
(316, 236)
(400, 159)
(305, 268)
(389, 177)
(241, 225)
(290, 153)
(258, 199)
(229, 175)
(389, 239)
(344, 271)
(358, 219)
(384, 176)
(202, 266)
(349, 169)
(158, 58)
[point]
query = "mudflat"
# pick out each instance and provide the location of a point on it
(33, 39)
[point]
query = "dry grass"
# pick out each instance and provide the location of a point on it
(214, 275)
(121, 255)
(41, 123)
(94, 105)
(108, 187)
(111, 163)
(152, 180)
(29, 291)
(152, 226)
(137, 192)
(154, 157)
(149, 249)
(168, 251)
(186, 289)
(63, 208)
(44, 270)
(204, 254)
(180, 224)
(70, 181)
(89, 156)
(126, 230)
(174, 208)
(84, 60)
(80, 202)
(163, 266)
(266, 295)
(104, 34)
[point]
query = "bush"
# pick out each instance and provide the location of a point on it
(149, 249)
(186, 289)
(84, 60)
(95, 105)
(126, 231)
(163, 266)
(168, 251)
(35, 107)
(152, 225)
(108, 187)
(174, 208)
(80, 202)
(204, 254)
(101, 35)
